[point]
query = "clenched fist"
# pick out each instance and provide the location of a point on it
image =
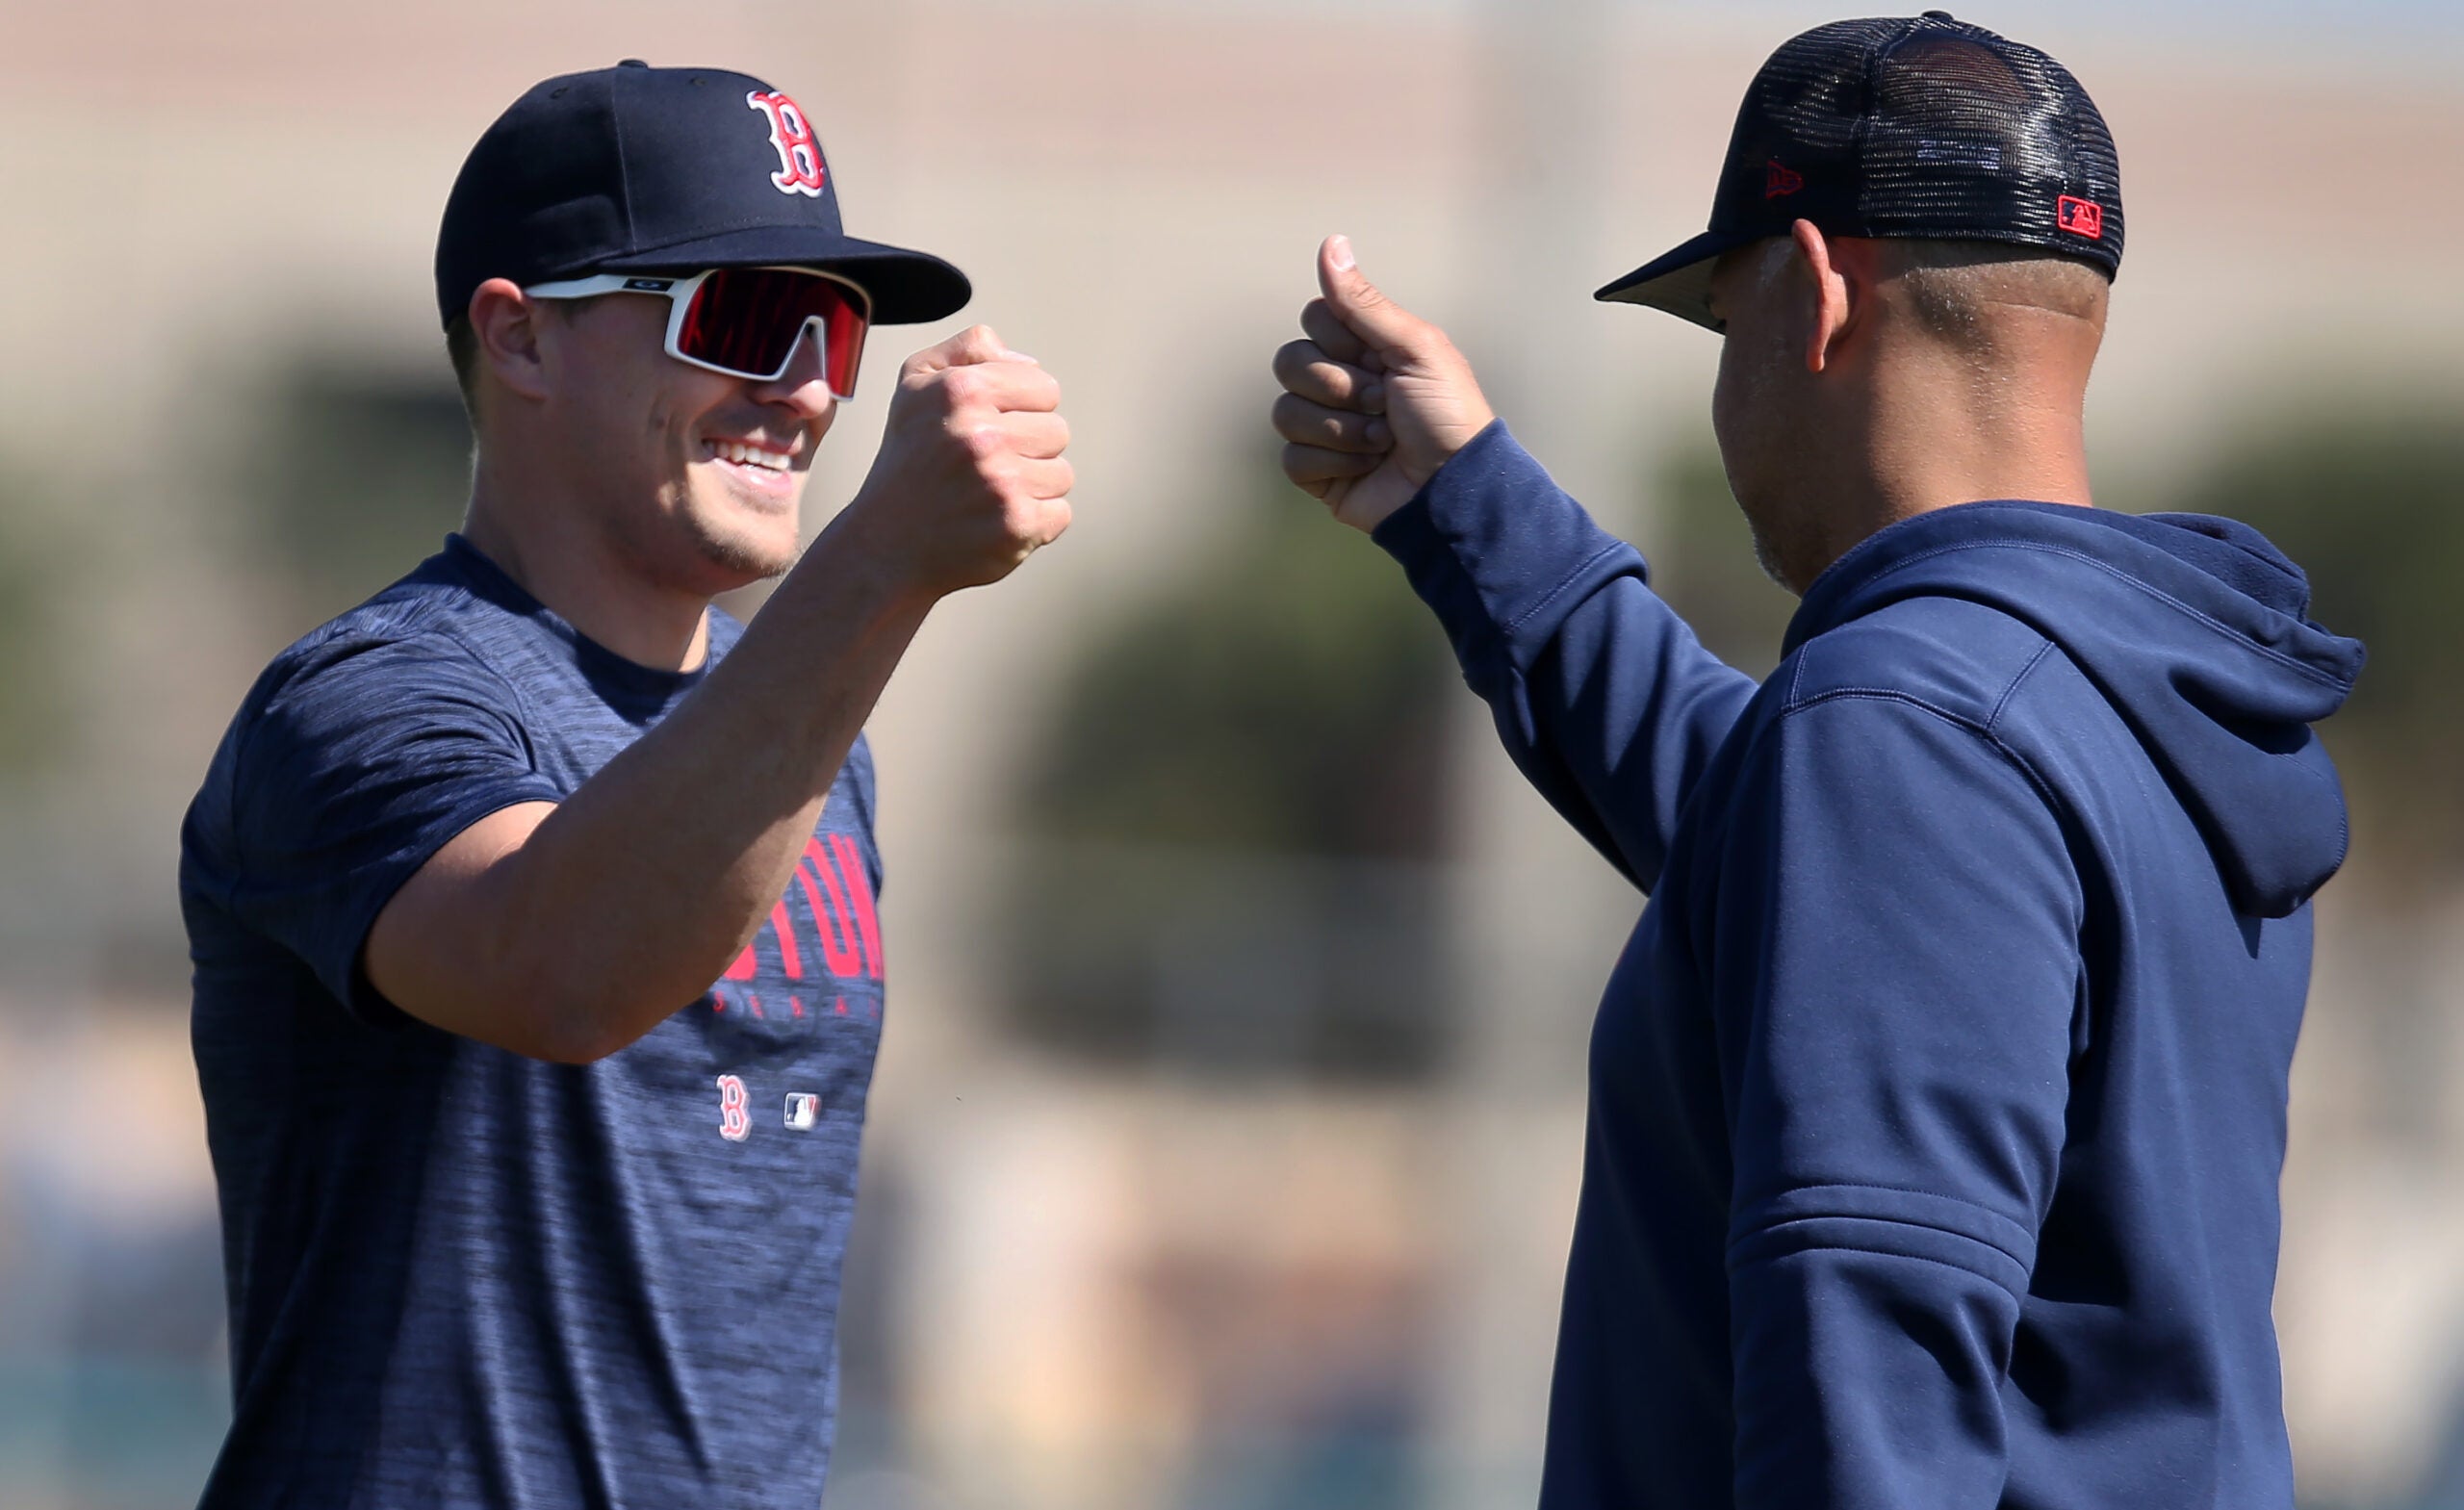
(970, 480)
(1374, 400)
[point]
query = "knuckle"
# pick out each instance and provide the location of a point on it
(963, 386)
(987, 444)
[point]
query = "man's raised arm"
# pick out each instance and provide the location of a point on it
(565, 931)
(1603, 697)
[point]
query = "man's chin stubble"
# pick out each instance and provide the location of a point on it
(741, 558)
(743, 552)
(1766, 555)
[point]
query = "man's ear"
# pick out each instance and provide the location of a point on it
(1827, 294)
(506, 321)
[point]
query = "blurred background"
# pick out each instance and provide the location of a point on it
(1228, 1125)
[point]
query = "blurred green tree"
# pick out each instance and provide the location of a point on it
(1703, 562)
(2370, 501)
(361, 473)
(34, 707)
(1237, 805)
(1288, 696)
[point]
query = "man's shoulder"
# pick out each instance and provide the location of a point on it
(343, 697)
(419, 646)
(427, 624)
(1956, 657)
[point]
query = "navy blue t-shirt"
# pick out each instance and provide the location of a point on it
(460, 1276)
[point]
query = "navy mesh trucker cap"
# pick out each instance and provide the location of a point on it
(641, 170)
(1923, 127)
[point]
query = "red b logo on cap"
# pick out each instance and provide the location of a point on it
(800, 170)
(2080, 217)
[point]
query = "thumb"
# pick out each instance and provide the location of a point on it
(977, 344)
(1377, 320)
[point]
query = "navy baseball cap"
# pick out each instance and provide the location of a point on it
(1905, 127)
(641, 170)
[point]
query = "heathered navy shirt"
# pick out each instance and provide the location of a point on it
(1937, 1103)
(460, 1276)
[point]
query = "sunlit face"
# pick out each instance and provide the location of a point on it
(697, 475)
(1757, 401)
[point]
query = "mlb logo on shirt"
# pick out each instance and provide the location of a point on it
(803, 1108)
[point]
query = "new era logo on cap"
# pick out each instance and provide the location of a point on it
(1778, 180)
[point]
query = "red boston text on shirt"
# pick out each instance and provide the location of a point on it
(839, 895)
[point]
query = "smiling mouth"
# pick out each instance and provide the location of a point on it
(744, 453)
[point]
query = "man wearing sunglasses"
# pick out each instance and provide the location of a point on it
(538, 975)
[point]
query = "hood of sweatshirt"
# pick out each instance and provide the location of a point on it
(2197, 631)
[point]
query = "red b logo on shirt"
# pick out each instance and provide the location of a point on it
(735, 1113)
(799, 170)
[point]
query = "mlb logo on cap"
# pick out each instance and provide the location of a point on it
(804, 1109)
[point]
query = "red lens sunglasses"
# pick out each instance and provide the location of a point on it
(747, 321)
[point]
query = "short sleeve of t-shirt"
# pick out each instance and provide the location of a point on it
(356, 771)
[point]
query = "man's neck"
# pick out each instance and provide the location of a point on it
(560, 559)
(1921, 454)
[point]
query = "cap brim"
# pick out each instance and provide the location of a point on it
(908, 287)
(1678, 280)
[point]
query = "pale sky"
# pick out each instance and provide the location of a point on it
(2395, 29)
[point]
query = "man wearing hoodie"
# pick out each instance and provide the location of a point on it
(1937, 1102)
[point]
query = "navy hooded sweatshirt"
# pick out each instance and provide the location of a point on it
(1937, 1102)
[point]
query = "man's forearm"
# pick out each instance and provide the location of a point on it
(1603, 697)
(631, 896)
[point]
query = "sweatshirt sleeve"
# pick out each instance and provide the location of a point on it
(1895, 982)
(1603, 697)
